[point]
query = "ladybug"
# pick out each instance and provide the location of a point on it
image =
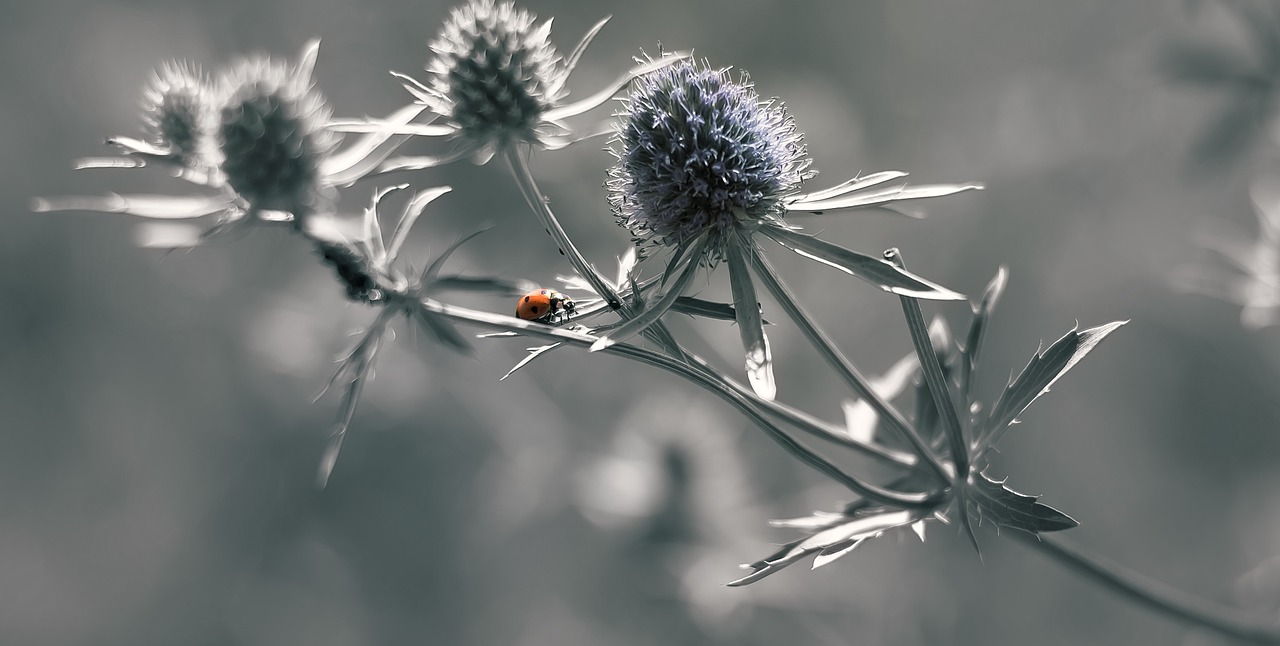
(544, 306)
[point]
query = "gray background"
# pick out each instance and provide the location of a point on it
(159, 442)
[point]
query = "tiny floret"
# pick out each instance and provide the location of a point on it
(495, 73)
(272, 136)
(700, 153)
(177, 110)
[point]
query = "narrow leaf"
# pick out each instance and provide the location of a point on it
(694, 306)
(442, 330)
(881, 196)
(874, 270)
(432, 270)
(412, 211)
(161, 207)
(572, 60)
(534, 353)
(1045, 368)
(849, 186)
(355, 161)
(1006, 508)
(830, 543)
(651, 314)
(750, 325)
(599, 98)
(860, 418)
(978, 326)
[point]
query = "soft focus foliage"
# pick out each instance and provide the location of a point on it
(161, 464)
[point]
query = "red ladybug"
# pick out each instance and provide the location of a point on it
(544, 306)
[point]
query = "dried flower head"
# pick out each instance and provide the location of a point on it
(271, 131)
(495, 72)
(177, 109)
(700, 153)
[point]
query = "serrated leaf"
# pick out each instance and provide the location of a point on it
(1045, 368)
(860, 419)
(746, 308)
(876, 271)
(997, 503)
(828, 544)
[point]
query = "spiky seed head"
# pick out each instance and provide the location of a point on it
(699, 152)
(177, 109)
(494, 73)
(272, 134)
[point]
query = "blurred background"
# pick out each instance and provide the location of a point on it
(160, 440)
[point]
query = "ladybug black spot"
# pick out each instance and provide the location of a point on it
(533, 309)
(526, 299)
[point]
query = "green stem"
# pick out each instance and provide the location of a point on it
(826, 347)
(1155, 596)
(675, 366)
(933, 376)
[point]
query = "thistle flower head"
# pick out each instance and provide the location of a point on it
(272, 136)
(699, 152)
(495, 72)
(177, 108)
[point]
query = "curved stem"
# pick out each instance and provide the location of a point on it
(529, 188)
(538, 202)
(675, 366)
(1155, 596)
(826, 347)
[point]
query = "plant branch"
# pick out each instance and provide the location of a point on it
(744, 404)
(1155, 596)
(826, 347)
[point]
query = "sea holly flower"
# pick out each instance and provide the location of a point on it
(256, 141)
(496, 81)
(704, 165)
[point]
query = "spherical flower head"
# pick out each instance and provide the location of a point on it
(700, 153)
(272, 134)
(495, 72)
(177, 108)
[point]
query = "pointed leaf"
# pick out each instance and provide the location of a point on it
(750, 325)
(978, 326)
(599, 98)
(694, 306)
(161, 207)
(357, 160)
(849, 186)
(832, 542)
(876, 271)
(1006, 508)
(1045, 368)
(534, 353)
(427, 161)
(881, 196)
(432, 270)
(442, 330)
(572, 60)
(412, 211)
(651, 314)
(307, 60)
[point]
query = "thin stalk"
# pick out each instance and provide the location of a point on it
(826, 347)
(812, 425)
(675, 366)
(529, 188)
(1155, 596)
(534, 197)
(933, 376)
